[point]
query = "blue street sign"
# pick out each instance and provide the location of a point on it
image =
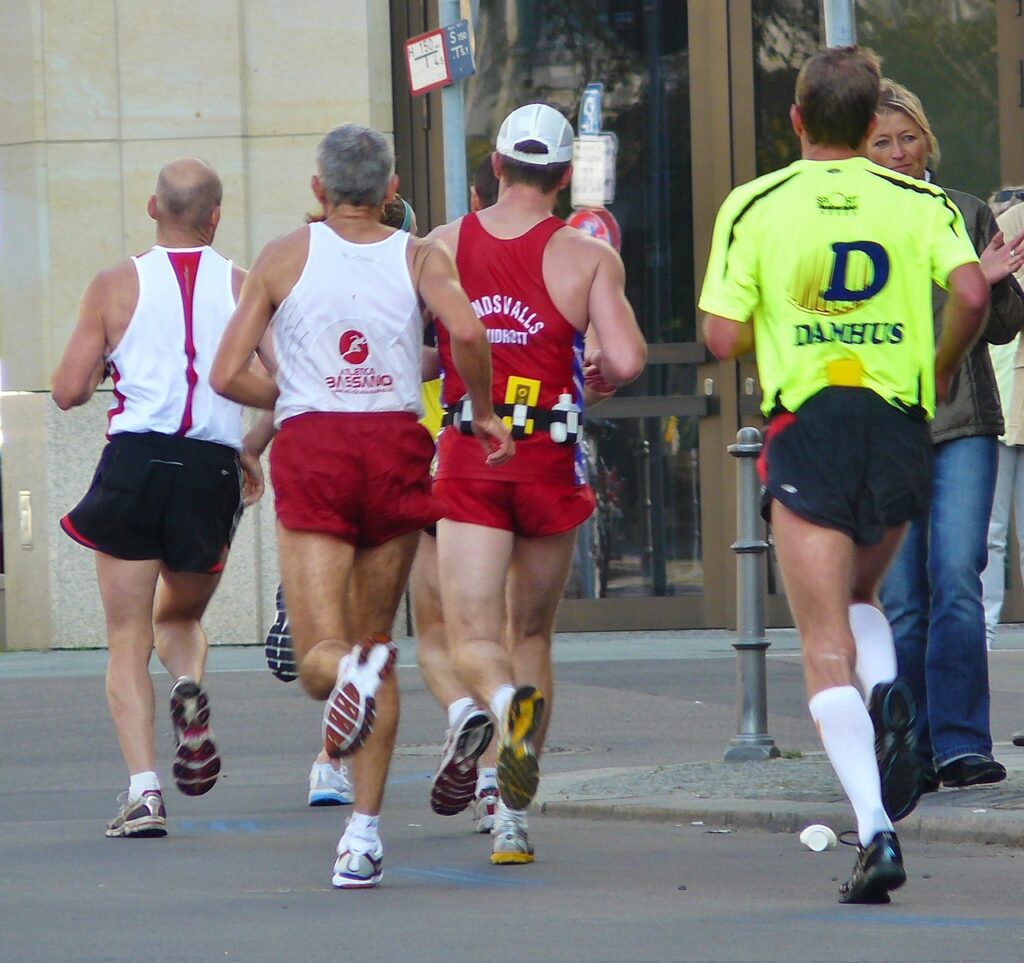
(460, 53)
(590, 109)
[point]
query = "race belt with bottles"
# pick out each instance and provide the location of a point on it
(521, 414)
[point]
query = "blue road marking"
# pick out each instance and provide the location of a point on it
(447, 874)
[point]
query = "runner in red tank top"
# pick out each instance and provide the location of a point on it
(507, 535)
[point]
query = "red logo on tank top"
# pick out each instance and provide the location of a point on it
(353, 348)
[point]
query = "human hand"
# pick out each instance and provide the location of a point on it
(592, 376)
(1001, 257)
(252, 478)
(495, 439)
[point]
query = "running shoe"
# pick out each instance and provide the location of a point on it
(143, 816)
(879, 869)
(278, 647)
(354, 869)
(484, 807)
(350, 709)
(454, 784)
(518, 773)
(892, 712)
(511, 837)
(329, 786)
(196, 767)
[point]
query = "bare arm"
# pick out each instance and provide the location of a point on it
(726, 338)
(444, 297)
(231, 374)
(962, 318)
(623, 351)
(81, 367)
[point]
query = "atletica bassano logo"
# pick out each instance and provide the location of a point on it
(354, 349)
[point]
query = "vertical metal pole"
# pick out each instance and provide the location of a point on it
(453, 131)
(840, 23)
(752, 741)
(643, 453)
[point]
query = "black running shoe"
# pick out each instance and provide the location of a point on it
(879, 869)
(892, 712)
(972, 771)
(279, 648)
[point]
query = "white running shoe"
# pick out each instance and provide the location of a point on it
(351, 708)
(356, 869)
(484, 808)
(511, 837)
(451, 789)
(329, 786)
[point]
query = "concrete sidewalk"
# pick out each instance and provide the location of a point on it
(787, 794)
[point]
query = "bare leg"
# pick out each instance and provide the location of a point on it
(473, 563)
(539, 569)
(381, 574)
(432, 653)
(181, 600)
(127, 589)
(319, 573)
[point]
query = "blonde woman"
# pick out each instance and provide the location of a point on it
(932, 593)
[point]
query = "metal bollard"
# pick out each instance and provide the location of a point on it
(752, 742)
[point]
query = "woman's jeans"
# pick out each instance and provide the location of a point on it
(932, 597)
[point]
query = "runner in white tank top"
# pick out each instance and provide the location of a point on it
(161, 366)
(348, 335)
(166, 496)
(350, 464)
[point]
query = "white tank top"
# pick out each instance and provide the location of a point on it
(161, 367)
(348, 336)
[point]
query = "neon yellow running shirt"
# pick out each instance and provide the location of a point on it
(833, 262)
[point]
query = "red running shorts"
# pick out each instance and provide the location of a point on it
(529, 509)
(362, 477)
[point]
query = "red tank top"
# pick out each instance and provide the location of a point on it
(536, 353)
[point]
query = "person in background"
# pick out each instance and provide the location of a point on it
(932, 593)
(1008, 365)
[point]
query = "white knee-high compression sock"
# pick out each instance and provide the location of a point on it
(849, 739)
(876, 651)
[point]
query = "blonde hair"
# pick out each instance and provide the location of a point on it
(895, 98)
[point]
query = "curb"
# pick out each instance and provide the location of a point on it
(989, 827)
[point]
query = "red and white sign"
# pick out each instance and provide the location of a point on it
(599, 223)
(427, 61)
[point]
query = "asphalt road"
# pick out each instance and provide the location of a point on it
(245, 871)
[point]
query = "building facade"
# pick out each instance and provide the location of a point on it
(97, 94)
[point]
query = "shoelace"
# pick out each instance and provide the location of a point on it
(847, 842)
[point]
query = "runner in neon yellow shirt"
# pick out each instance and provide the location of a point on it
(834, 263)
(827, 267)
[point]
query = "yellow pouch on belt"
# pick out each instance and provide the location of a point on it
(844, 373)
(521, 391)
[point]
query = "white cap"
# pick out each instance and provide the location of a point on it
(545, 126)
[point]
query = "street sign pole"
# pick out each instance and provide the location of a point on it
(840, 23)
(453, 133)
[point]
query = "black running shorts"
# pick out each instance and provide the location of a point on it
(161, 497)
(848, 460)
